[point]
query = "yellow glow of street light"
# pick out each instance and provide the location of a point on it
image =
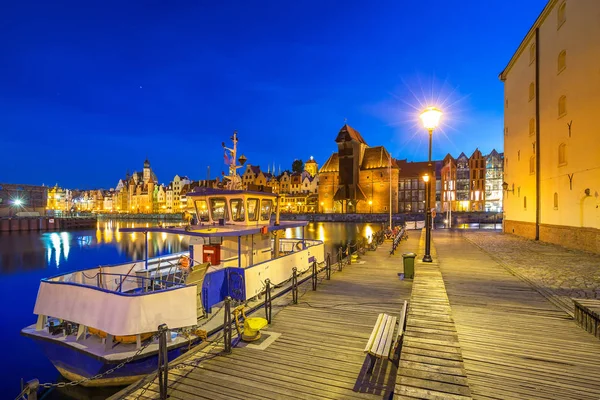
(370, 202)
(431, 118)
(426, 178)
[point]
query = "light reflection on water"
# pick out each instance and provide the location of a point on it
(27, 257)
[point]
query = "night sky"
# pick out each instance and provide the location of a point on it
(88, 90)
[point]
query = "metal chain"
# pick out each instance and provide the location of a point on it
(108, 372)
(211, 317)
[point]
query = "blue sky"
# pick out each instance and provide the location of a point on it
(88, 90)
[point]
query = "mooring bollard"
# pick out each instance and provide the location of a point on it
(314, 275)
(227, 325)
(268, 308)
(163, 361)
(328, 266)
(295, 285)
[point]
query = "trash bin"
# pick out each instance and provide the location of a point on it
(409, 265)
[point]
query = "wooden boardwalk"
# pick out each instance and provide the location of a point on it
(316, 349)
(515, 344)
(431, 365)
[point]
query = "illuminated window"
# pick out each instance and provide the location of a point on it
(237, 210)
(532, 126)
(218, 209)
(562, 106)
(562, 60)
(265, 210)
(252, 209)
(562, 154)
(555, 201)
(532, 53)
(202, 210)
(531, 91)
(562, 14)
(532, 165)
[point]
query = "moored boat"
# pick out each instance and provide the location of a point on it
(98, 325)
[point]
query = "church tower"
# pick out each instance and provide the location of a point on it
(311, 167)
(147, 171)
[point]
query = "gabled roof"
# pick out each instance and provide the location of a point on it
(412, 169)
(332, 164)
(376, 157)
(347, 133)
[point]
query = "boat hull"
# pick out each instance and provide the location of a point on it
(75, 364)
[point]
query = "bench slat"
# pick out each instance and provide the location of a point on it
(387, 338)
(374, 333)
(381, 334)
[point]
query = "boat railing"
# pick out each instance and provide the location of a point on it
(121, 283)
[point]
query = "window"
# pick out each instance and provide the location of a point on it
(237, 210)
(562, 14)
(218, 209)
(525, 202)
(265, 210)
(202, 210)
(506, 103)
(562, 61)
(531, 91)
(505, 131)
(562, 154)
(532, 165)
(532, 53)
(252, 209)
(555, 201)
(519, 155)
(562, 106)
(532, 126)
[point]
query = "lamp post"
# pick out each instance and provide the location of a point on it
(322, 207)
(431, 119)
(371, 206)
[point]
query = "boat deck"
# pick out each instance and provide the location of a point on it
(312, 350)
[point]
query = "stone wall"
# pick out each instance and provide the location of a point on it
(587, 239)
(520, 228)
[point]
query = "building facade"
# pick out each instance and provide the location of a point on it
(16, 198)
(552, 156)
(358, 178)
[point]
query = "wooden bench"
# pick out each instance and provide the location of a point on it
(382, 342)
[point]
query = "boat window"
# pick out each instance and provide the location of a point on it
(252, 209)
(265, 210)
(237, 210)
(218, 209)
(202, 210)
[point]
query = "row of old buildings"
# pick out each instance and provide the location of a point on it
(355, 179)
(552, 159)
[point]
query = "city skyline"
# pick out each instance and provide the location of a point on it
(91, 97)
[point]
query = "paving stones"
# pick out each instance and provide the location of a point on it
(567, 273)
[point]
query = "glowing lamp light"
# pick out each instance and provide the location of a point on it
(431, 118)
(18, 202)
(426, 178)
(370, 202)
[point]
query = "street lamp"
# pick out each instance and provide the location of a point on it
(371, 206)
(431, 119)
(322, 207)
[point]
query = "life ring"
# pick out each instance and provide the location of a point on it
(299, 246)
(184, 262)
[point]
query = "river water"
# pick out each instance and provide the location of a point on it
(27, 257)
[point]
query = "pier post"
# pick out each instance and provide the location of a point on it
(295, 285)
(227, 325)
(163, 361)
(328, 266)
(268, 303)
(314, 275)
